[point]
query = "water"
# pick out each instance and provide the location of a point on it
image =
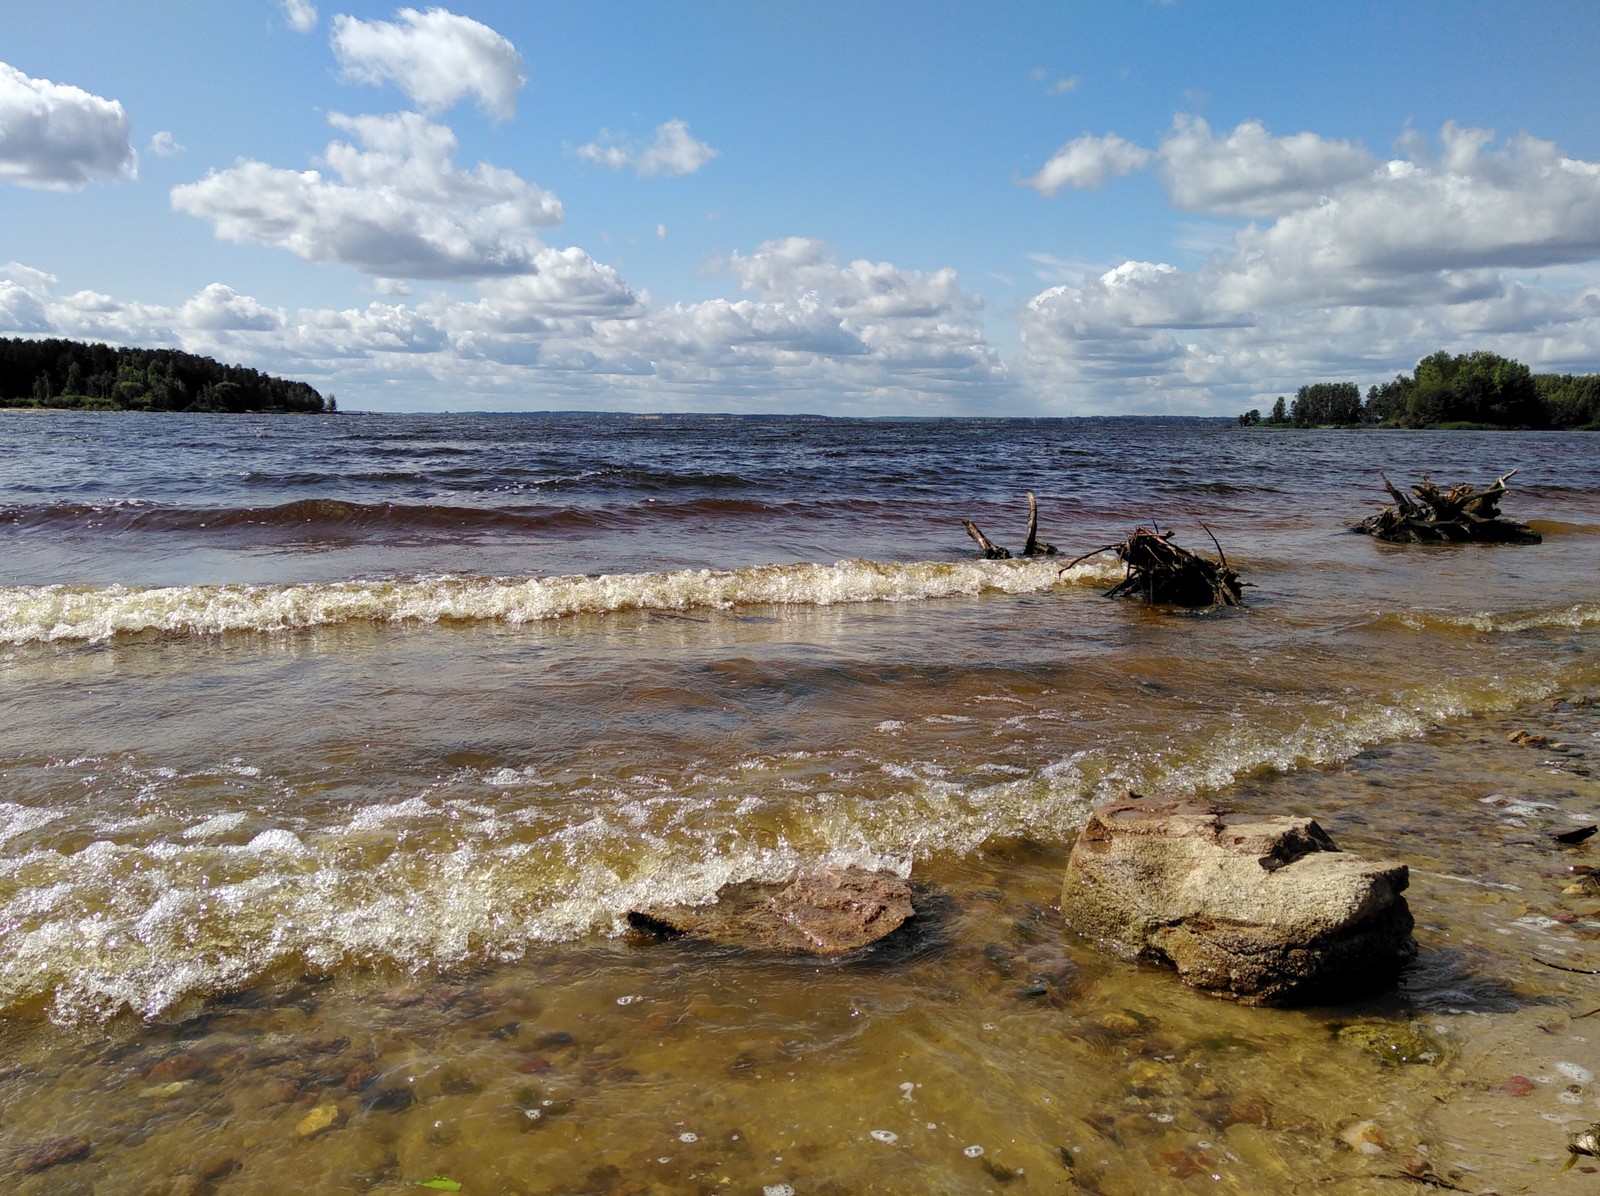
(336, 750)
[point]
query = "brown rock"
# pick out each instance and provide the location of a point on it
(53, 1152)
(819, 914)
(1262, 910)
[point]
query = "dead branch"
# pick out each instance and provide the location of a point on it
(1032, 547)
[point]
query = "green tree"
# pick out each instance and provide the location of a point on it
(1327, 403)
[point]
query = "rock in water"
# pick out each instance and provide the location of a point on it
(1262, 910)
(824, 913)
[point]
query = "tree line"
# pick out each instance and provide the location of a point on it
(1478, 389)
(73, 374)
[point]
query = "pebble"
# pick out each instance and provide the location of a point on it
(323, 1117)
(56, 1150)
(1364, 1137)
(389, 1100)
(973, 1151)
(1517, 1086)
(1122, 1025)
(1576, 1073)
(163, 1091)
(778, 1190)
(888, 1137)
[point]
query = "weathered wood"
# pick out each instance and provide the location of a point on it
(991, 551)
(1163, 574)
(1033, 546)
(1463, 513)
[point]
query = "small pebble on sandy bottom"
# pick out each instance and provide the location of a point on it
(323, 1117)
(778, 1190)
(973, 1151)
(52, 1153)
(887, 1137)
(1364, 1137)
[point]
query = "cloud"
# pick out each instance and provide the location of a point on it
(163, 145)
(808, 332)
(1087, 163)
(218, 307)
(673, 152)
(1058, 85)
(57, 137)
(1358, 262)
(435, 57)
(1251, 173)
(301, 15)
(399, 206)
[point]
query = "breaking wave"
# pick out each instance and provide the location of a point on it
(60, 613)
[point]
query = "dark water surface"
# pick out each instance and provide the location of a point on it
(333, 752)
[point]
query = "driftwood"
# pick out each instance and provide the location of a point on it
(1160, 572)
(1460, 514)
(1033, 547)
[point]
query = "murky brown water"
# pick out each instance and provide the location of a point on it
(314, 874)
(988, 1050)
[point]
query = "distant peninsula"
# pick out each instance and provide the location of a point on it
(74, 375)
(1466, 390)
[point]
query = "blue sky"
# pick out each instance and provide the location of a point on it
(878, 209)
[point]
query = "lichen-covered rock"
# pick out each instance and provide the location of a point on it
(824, 913)
(1263, 910)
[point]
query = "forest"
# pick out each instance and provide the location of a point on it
(1467, 390)
(95, 377)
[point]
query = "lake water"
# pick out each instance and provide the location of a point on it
(334, 752)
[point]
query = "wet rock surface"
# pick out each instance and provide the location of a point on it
(1263, 910)
(826, 913)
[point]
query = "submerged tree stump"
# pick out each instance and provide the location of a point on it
(1463, 513)
(1033, 547)
(1163, 574)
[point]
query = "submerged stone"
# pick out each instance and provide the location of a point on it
(1263, 910)
(1392, 1043)
(54, 1152)
(825, 913)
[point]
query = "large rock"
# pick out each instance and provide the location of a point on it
(825, 913)
(1263, 910)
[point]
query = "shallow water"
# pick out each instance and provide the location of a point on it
(336, 752)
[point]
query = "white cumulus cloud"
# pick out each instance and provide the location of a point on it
(58, 137)
(1087, 162)
(397, 207)
(301, 15)
(163, 145)
(1252, 173)
(1351, 262)
(672, 152)
(436, 57)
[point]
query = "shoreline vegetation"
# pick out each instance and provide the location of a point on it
(78, 376)
(1478, 390)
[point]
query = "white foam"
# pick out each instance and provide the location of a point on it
(48, 614)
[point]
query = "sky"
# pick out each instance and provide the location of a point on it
(1037, 207)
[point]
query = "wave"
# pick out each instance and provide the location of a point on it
(1577, 616)
(337, 518)
(69, 614)
(193, 899)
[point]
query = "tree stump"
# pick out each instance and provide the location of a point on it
(1461, 514)
(1163, 574)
